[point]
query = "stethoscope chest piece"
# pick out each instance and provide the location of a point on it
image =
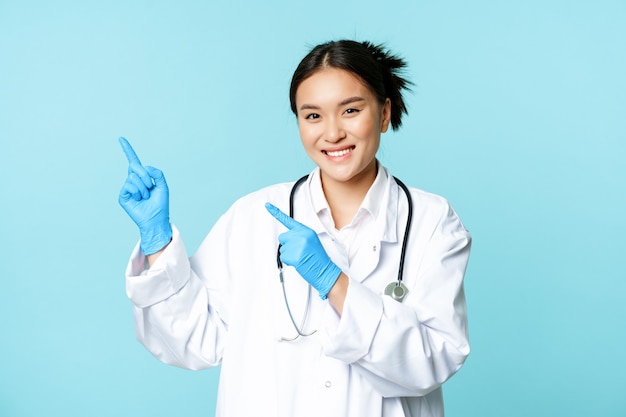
(397, 291)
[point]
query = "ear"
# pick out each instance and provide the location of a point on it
(385, 116)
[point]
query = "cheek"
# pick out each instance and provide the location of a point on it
(303, 134)
(308, 134)
(366, 129)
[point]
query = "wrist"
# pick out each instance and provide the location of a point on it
(155, 238)
(338, 293)
(331, 275)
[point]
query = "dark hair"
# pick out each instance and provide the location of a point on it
(377, 67)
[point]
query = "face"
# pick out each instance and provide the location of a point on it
(340, 123)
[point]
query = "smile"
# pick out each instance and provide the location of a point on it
(341, 152)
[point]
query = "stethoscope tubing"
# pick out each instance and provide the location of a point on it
(398, 285)
(407, 228)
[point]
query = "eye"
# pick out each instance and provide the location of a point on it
(312, 116)
(352, 111)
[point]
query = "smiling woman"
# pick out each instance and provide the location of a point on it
(340, 123)
(359, 350)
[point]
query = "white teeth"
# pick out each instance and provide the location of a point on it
(339, 153)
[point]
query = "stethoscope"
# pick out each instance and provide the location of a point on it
(396, 290)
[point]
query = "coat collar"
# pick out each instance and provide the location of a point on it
(386, 220)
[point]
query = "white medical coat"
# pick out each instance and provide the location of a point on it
(224, 306)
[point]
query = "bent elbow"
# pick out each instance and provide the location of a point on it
(440, 369)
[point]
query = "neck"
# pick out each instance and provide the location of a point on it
(345, 198)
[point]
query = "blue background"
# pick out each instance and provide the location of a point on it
(517, 117)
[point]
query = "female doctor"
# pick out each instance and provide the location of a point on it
(354, 306)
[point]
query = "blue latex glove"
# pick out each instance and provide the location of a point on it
(302, 249)
(145, 197)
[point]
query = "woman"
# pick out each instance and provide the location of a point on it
(369, 345)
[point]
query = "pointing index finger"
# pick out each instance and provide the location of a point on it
(287, 221)
(129, 151)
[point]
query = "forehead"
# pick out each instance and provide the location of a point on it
(331, 83)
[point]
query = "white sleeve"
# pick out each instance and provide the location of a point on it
(410, 348)
(174, 318)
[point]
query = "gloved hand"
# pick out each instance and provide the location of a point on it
(302, 249)
(145, 197)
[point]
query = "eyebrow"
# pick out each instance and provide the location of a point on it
(341, 103)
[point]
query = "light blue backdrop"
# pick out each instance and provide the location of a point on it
(518, 118)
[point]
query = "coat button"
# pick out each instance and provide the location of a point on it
(328, 384)
(374, 248)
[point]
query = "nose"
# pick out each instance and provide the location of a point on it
(334, 131)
